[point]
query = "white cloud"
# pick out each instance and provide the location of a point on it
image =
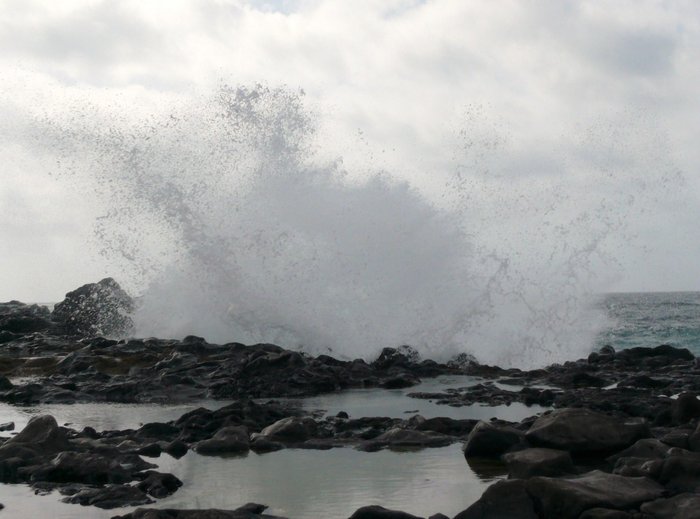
(408, 74)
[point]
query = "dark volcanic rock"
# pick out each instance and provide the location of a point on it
(502, 500)
(605, 513)
(83, 467)
(101, 308)
(42, 435)
(685, 408)
(292, 429)
(379, 512)
(682, 506)
(585, 431)
(489, 440)
(227, 440)
(527, 463)
(18, 319)
(158, 484)
(680, 472)
(568, 498)
(249, 511)
(110, 496)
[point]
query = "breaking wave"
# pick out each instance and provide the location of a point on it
(228, 222)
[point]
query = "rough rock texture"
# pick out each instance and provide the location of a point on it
(491, 440)
(568, 498)
(527, 463)
(227, 440)
(585, 431)
(502, 500)
(96, 309)
(682, 506)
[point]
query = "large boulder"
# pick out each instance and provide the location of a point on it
(96, 309)
(227, 440)
(292, 429)
(42, 434)
(527, 463)
(502, 500)
(19, 318)
(487, 440)
(379, 512)
(682, 506)
(680, 472)
(584, 431)
(568, 498)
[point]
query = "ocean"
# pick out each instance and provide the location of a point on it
(652, 318)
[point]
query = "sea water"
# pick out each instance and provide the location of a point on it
(652, 318)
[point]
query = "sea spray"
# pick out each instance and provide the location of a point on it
(225, 219)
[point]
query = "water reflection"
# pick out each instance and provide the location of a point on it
(395, 403)
(300, 483)
(295, 483)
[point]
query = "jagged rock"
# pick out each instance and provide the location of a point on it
(87, 467)
(17, 319)
(527, 463)
(585, 431)
(638, 467)
(101, 308)
(647, 448)
(392, 357)
(157, 484)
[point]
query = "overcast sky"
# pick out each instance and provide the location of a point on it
(544, 89)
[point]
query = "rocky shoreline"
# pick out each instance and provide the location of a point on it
(622, 439)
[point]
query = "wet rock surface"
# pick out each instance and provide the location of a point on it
(622, 438)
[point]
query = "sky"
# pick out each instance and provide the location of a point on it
(595, 100)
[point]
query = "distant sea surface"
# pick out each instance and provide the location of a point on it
(652, 318)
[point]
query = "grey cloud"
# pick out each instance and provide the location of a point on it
(637, 53)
